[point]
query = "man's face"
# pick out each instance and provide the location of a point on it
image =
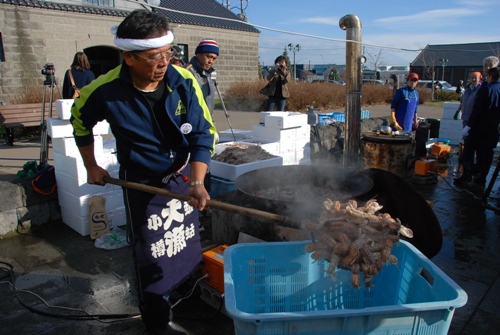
(148, 66)
(206, 60)
(486, 67)
(413, 82)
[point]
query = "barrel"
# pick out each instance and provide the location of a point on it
(393, 153)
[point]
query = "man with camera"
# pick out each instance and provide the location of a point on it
(277, 88)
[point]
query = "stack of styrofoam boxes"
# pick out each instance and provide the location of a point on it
(285, 134)
(230, 172)
(448, 127)
(73, 191)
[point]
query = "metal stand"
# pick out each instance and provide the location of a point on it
(50, 81)
(490, 187)
(224, 108)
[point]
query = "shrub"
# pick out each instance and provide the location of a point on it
(245, 96)
(33, 94)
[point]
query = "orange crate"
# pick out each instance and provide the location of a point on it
(214, 266)
(423, 166)
(440, 150)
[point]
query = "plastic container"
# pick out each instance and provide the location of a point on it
(219, 186)
(277, 288)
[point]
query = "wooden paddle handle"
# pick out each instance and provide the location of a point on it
(250, 212)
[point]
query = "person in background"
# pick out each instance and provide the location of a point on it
(178, 56)
(278, 85)
(488, 63)
(201, 65)
(460, 88)
(164, 138)
(481, 130)
(404, 106)
(468, 97)
(82, 75)
(472, 168)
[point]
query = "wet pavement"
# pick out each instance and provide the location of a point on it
(96, 286)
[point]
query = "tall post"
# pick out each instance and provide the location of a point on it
(354, 67)
(444, 62)
(294, 49)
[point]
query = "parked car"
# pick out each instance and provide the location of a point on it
(444, 86)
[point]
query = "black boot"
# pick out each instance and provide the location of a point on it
(466, 175)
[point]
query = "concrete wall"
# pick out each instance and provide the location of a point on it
(33, 37)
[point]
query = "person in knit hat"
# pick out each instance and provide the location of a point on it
(201, 65)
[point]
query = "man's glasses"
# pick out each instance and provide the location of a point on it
(158, 58)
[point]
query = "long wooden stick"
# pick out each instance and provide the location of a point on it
(250, 212)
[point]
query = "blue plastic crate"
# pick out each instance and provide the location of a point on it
(277, 288)
(219, 186)
(365, 114)
(338, 116)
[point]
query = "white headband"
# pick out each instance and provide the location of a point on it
(128, 44)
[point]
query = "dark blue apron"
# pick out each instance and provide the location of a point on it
(165, 235)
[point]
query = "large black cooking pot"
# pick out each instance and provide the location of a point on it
(300, 190)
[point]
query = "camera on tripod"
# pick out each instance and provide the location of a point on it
(49, 70)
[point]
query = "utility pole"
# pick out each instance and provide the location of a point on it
(444, 62)
(294, 49)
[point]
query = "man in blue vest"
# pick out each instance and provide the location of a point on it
(404, 106)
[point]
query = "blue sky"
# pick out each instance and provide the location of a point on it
(386, 23)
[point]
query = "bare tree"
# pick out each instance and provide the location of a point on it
(376, 59)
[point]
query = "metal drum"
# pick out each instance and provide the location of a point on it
(393, 153)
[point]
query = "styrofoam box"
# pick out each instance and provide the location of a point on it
(57, 128)
(80, 224)
(262, 115)
(302, 144)
(239, 134)
(449, 109)
(278, 288)
(66, 146)
(451, 129)
(289, 158)
(287, 146)
(303, 156)
(265, 133)
(80, 205)
(303, 132)
(231, 172)
(79, 187)
(109, 145)
(63, 108)
(286, 122)
(73, 166)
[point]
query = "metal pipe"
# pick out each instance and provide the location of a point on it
(354, 68)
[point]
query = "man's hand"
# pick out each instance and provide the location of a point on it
(393, 122)
(465, 131)
(95, 175)
(199, 196)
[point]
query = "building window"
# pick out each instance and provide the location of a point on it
(184, 48)
(103, 3)
(2, 54)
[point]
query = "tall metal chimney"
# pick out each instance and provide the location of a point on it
(354, 69)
